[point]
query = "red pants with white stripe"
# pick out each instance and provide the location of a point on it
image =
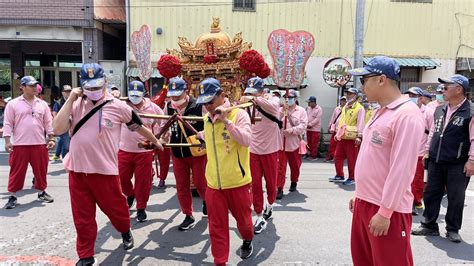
(345, 149)
(182, 168)
(164, 158)
(293, 159)
(20, 157)
(87, 191)
(138, 164)
(332, 147)
(418, 183)
(263, 165)
(313, 142)
(219, 202)
(392, 249)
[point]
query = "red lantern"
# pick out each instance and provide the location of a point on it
(169, 66)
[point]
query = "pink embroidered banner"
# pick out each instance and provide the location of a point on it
(141, 46)
(290, 51)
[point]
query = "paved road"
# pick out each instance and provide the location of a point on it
(311, 226)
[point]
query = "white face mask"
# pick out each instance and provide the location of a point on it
(94, 95)
(135, 99)
(291, 101)
(179, 102)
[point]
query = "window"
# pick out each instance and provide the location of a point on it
(408, 75)
(243, 5)
(413, 1)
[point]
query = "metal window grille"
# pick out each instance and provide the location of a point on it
(243, 5)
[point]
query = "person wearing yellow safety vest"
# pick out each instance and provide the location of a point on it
(227, 133)
(349, 136)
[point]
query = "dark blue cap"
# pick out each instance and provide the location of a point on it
(456, 79)
(254, 85)
(208, 88)
(176, 87)
(136, 88)
(352, 90)
(311, 99)
(379, 65)
(92, 75)
(425, 93)
(414, 90)
(28, 81)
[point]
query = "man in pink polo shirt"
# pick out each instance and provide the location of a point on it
(296, 123)
(135, 161)
(313, 131)
(92, 160)
(266, 142)
(385, 167)
(439, 98)
(27, 119)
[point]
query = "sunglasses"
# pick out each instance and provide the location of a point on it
(446, 87)
(363, 78)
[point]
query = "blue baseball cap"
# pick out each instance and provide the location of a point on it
(414, 90)
(28, 81)
(208, 88)
(379, 65)
(254, 85)
(176, 87)
(456, 79)
(92, 75)
(352, 90)
(311, 99)
(136, 88)
(291, 94)
(425, 93)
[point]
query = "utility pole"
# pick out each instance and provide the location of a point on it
(359, 38)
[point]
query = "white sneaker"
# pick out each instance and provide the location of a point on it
(260, 225)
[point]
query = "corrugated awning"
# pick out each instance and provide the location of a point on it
(412, 62)
(134, 72)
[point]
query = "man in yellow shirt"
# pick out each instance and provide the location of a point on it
(227, 134)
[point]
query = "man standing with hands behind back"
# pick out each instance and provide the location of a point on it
(385, 167)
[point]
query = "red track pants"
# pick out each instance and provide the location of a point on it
(182, 171)
(219, 202)
(164, 158)
(87, 191)
(293, 159)
(418, 183)
(140, 165)
(313, 142)
(392, 249)
(263, 165)
(20, 157)
(332, 147)
(345, 149)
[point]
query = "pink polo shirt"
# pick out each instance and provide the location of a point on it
(314, 118)
(94, 148)
(387, 158)
(297, 115)
(130, 139)
(428, 118)
(335, 117)
(266, 137)
(27, 122)
(433, 104)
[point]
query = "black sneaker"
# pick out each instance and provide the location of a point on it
(260, 225)
(267, 213)
(279, 195)
(45, 197)
(141, 215)
(86, 262)
(11, 203)
(204, 208)
(130, 201)
(423, 231)
(127, 240)
(293, 186)
(188, 223)
(453, 237)
(246, 249)
(414, 211)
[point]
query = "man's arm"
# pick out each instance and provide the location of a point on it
(62, 123)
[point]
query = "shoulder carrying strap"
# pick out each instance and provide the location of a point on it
(337, 117)
(269, 116)
(88, 116)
